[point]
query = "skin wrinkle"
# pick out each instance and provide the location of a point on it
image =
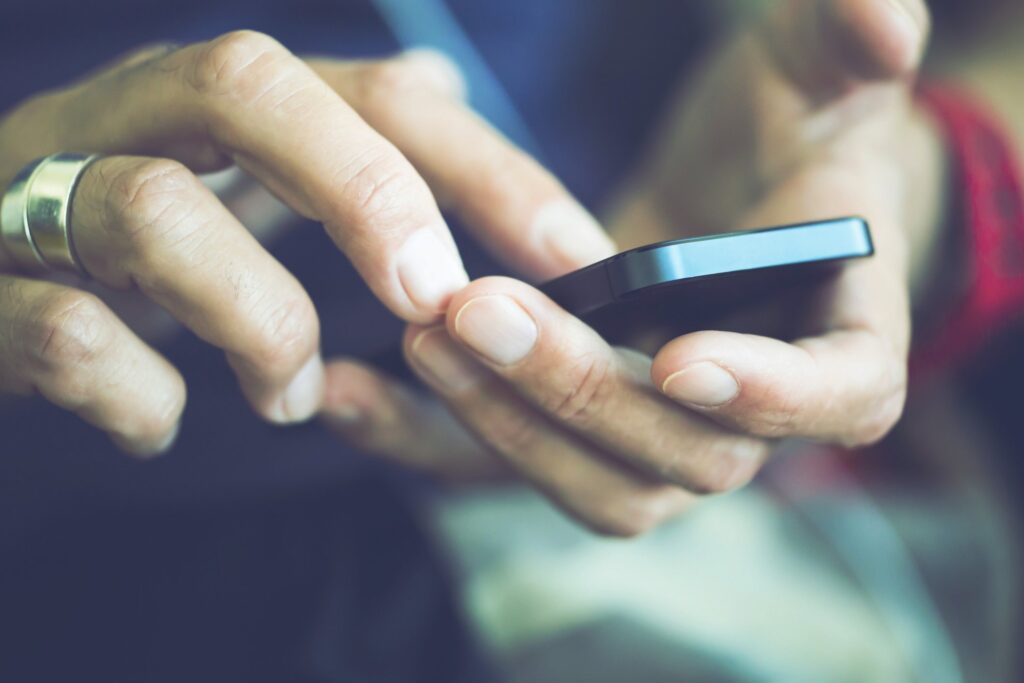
(143, 190)
(576, 405)
(216, 69)
(357, 173)
(376, 199)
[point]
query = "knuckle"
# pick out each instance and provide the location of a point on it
(586, 391)
(237, 63)
(376, 190)
(286, 336)
(154, 196)
(68, 331)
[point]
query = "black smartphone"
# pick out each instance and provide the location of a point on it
(724, 281)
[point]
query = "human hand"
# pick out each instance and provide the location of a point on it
(808, 116)
(339, 142)
(804, 116)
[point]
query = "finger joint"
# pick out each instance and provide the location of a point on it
(67, 333)
(285, 337)
(588, 388)
(239, 65)
(151, 199)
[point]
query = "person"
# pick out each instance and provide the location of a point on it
(808, 113)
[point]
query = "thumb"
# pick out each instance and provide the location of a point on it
(825, 47)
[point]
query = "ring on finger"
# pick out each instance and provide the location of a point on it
(35, 214)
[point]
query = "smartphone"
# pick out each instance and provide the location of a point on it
(763, 281)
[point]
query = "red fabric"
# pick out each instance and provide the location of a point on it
(988, 178)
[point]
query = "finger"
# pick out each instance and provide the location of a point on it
(565, 368)
(846, 386)
(132, 58)
(577, 477)
(246, 99)
(68, 346)
(845, 382)
(512, 203)
(824, 45)
(380, 416)
(151, 224)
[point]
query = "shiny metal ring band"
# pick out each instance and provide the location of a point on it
(35, 216)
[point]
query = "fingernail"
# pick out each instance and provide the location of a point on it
(303, 397)
(442, 359)
(574, 237)
(497, 328)
(429, 271)
(148, 451)
(703, 384)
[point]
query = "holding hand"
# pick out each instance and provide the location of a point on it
(339, 142)
(807, 115)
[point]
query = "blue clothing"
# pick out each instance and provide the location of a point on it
(257, 553)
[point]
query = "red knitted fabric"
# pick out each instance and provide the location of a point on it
(988, 177)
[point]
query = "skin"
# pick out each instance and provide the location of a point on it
(817, 122)
(804, 114)
(331, 140)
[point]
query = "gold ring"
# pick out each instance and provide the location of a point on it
(35, 216)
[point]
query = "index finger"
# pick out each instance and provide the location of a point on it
(511, 202)
(244, 98)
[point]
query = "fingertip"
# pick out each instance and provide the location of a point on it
(826, 47)
(570, 237)
(883, 38)
(302, 398)
(702, 384)
(719, 371)
(437, 70)
(351, 393)
(681, 352)
(147, 450)
(343, 380)
(431, 272)
(413, 335)
(528, 295)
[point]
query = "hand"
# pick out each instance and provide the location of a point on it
(808, 116)
(339, 142)
(804, 116)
